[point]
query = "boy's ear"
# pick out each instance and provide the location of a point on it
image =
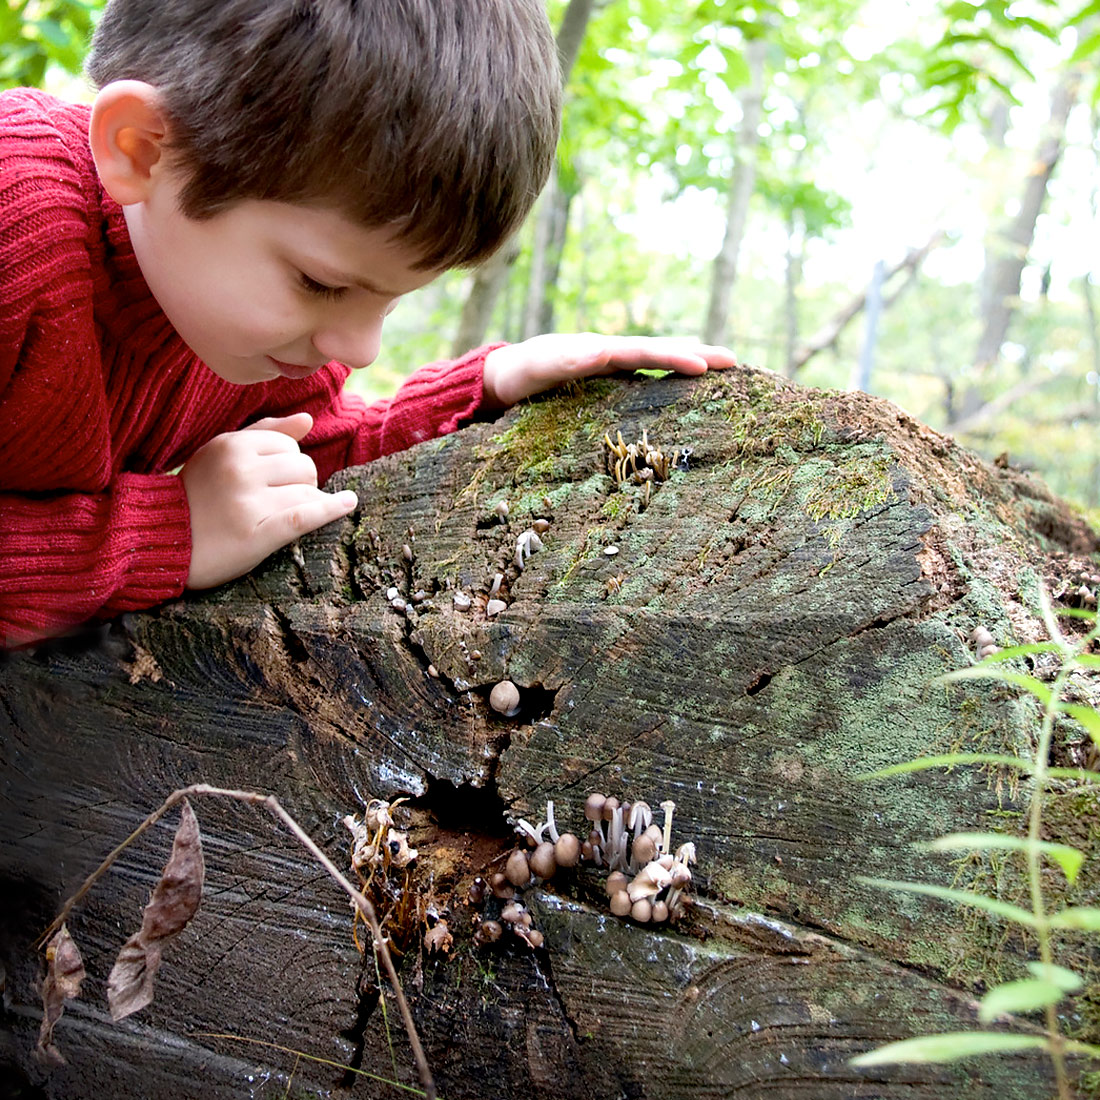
(127, 134)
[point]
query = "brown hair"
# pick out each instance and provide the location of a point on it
(436, 117)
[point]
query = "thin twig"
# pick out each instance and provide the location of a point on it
(272, 804)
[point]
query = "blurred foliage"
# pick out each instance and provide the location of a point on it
(38, 34)
(652, 120)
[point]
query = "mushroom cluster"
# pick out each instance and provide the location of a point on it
(646, 880)
(375, 842)
(641, 463)
(983, 642)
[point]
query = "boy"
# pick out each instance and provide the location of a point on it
(190, 270)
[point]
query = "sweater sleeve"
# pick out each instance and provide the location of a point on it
(432, 402)
(73, 556)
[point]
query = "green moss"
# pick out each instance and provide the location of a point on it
(844, 490)
(616, 506)
(767, 420)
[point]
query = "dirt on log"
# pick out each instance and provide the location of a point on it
(747, 637)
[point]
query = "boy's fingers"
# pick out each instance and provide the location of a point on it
(313, 510)
(297, 425)
(290, 468)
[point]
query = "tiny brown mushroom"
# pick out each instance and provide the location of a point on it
(621, 903)
(660, 912)
(643, 850)
(489, 931)
(567, 850)
(593, 807)
(518, 870)
(511, 912)
(610, 805)
(500, 886)
(504, 698)
(616, 881)
(641, 911)
(542, 862)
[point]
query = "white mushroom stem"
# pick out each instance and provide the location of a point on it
(526, 827)
(550, 825)
(641, 817)
(668, 806)
(616, 841)
(685, 854)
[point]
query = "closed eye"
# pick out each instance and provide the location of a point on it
(320, 290)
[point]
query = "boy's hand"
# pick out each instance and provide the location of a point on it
(251, 492)
(520, 370)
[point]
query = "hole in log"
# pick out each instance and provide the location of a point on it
(759, 684)
(464, 808)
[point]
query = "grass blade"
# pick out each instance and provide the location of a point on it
(1025, 995)
(949, 1047)
(1069, 859)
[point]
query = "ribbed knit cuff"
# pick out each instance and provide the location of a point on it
(148, 549)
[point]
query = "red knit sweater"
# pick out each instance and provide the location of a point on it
(100, 399)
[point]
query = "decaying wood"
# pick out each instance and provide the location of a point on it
(771, 627)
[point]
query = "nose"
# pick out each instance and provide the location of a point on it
(354, 339)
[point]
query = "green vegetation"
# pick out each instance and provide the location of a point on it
(1048, 982)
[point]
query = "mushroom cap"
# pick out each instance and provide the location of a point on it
(616, 881)
(648, 881)
(593, 806)
(518, 869)
(504, 698)
(542, 860)
(610, 805)
(490, 931)
(534, 937)
(500, 886)
(511, 912)
(681, 876)
(621, 903)
(660, 912)
(567, 850)
(641, 910)
(643, 850)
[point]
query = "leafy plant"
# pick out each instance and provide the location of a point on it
(36, 34)
(1048, 983)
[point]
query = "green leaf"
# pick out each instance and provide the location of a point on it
(1025, 995)
(949, 1047)
(1077, 917)
(950, 760)
(1069, 859)
(1064, 979)
(992, 672)
(1087, 716)
(960, 897)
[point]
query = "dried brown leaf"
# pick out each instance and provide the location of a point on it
(64, 973)
(174, 902)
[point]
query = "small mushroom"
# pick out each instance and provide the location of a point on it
(643, 850)
(660, 912)
(651, 879)
(542, 862)
(462, 602)
(621, 903)
(540, 526)
(531, 936)
(495, 607)
(666, 840)
(518, 869)
(498, 580)
(502, 510)
(567, 850)
(392, 593)
(504, 698)
(616, 881)
(500, 886)
(511, 912)
(476, 894)
(641, 910)
(488, 931)
(593, 807)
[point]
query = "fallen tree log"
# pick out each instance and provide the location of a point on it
(747, 638)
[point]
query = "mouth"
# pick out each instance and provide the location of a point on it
(294, 370)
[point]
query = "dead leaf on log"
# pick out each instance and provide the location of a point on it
(64, 973)
(174, 902)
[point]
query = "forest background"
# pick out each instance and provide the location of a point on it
(898, 196)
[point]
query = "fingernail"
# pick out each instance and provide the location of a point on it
(347, 499)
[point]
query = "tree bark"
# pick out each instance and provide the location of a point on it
(771, 626)
(742, 186)
(1001, 284)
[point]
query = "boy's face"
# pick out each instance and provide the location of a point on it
(267, 289)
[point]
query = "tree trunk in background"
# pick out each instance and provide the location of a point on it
(772, 625)
(792, 279)
(742, 185)
(1001, 283)
(477, 311)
